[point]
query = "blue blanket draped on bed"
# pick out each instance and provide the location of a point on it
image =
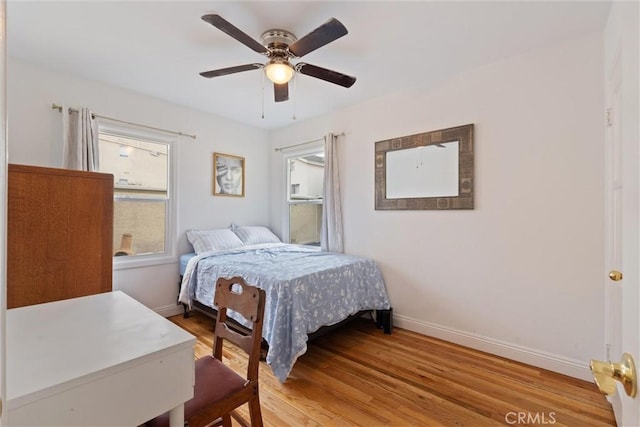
(305, 289)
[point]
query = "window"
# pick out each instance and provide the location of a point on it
(141, 166)
(305, 183)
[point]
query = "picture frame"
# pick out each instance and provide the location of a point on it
(228, 175)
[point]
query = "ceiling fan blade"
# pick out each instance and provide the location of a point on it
(281, 91)
(325, 74)
(227, 27)
(324, 34)
(230, 70)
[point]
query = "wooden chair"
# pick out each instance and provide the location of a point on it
(218, 389)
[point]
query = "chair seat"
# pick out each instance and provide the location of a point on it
(213, 382)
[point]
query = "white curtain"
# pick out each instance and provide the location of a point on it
(80, 140)
(331, 239)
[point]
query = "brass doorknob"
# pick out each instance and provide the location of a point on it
(606, 374)
(615, 275)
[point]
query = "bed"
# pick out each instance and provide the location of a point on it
(307, 289)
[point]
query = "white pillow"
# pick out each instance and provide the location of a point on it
(253, 235)
(213, 240)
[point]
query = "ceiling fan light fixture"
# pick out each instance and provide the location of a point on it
(279, 71)
(279, 46)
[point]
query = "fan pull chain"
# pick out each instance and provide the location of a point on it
(293, 100)
(262, 91)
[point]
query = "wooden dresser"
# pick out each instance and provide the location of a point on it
(59, 234)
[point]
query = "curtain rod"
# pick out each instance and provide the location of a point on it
(59, 108)
(306, 142)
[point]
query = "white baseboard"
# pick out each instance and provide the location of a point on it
(169, 310)
(571, 367)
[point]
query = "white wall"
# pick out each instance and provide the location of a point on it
(35, 139)
(521, 274)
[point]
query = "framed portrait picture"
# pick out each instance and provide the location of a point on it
(228, 175)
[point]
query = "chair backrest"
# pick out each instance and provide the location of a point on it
(235, 294)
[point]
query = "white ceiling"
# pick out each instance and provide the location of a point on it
(159, 47)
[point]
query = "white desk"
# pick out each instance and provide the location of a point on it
(101, 360)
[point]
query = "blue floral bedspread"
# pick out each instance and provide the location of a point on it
(305, 289)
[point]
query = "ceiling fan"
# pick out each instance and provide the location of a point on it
(280, 46)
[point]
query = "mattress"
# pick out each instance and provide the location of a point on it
(184, 260)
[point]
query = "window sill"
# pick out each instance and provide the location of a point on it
(124, 262)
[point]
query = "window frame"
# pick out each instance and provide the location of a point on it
(169, 255)
(300, 152)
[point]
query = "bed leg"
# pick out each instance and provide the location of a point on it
(384, 320)
(185, 313)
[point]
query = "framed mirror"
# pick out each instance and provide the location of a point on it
(431, 170)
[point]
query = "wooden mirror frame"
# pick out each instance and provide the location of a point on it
(464, 199)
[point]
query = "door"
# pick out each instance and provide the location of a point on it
(3, 210)
(622, 199)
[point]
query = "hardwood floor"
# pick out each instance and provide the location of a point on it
(357, 376)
